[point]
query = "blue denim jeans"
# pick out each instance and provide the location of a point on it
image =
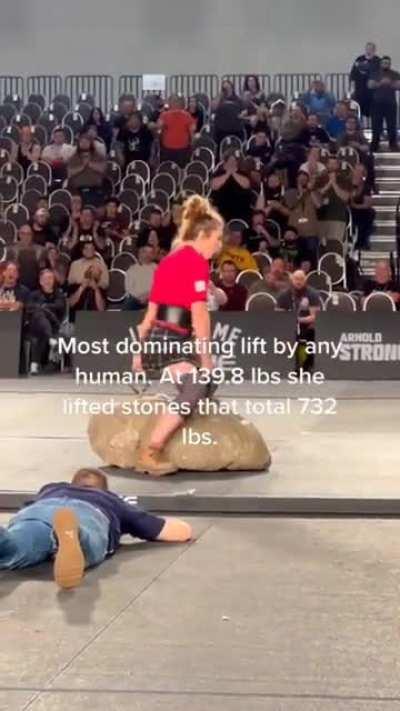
(29, 538)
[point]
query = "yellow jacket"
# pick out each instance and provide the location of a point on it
(240, 256)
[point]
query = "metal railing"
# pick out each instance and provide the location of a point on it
(291, 84)
(47, 85)
(189, 84)
(11, 86)
(100, 86)
(238, 81)
(130, 84)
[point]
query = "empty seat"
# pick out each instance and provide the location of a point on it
(378, 301)
(340, 301)
(261, 302)
(247, 278)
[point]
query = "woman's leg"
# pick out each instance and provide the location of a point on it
(167, 424)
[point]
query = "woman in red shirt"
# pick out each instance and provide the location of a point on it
(177, 317)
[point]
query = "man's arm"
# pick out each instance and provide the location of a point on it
(175, 531)
(148, 527)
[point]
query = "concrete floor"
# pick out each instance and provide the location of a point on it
(353, 453)
(257, 614)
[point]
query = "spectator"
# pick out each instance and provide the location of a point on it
(235, 293)
(127, 106)
(383, 281)
(43, 234)
(139, 278)
(136, 139)
(313, 167)
(149, 238)
(259, 119)
(86, 170)
(28, 256)
(231, 190)
(364, 66)
(81, 524)
(336, 125)
(216, 297)
(197, 113)
(333, 215)
(384, 83)
(228, 113)
(260, 147)
(112, 225)
(47, 308)
(252, 92)
(362, 211)
(270, 199)
(306, 304)
(303, 217)
(319, 101)
(58, 153)
(98, 144)
(103, 127)
(177, 128)
(13, 295)
(290, 150)
(88, 281)
(276, 278)
(316, 134)
(292, 250)
(76, 207)
(354, 138)
(235, 251)
(29, 150)
(258, 238)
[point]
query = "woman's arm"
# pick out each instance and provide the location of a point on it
(150, 315)
(202, 331)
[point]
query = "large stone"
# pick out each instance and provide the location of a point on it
(236, 443)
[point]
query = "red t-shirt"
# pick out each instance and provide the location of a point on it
(181, 279)
(177, 127)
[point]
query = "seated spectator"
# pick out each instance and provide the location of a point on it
(43, 234)
(302, 216)
(111, 226)
(252, 92)
(353, 137)
(76, 207)
(46, 309)
(231, 192)
(336, 125)
(149, 238)
(306, 304)
(80, 524)
(276, 278)
(139, 278)
(258, 238)
(319, 101)
(13, 295)
(58, 153)
(99, 145)
(136, 139)
(317, 135)
(86, 170)
(235, 251)
(29, 257)
(103, 127)
(270, 199)
(228, 113)
(196, 112)
(333, 215)
(260, 147)
(383, 281)
(313, 167)
(177, 129)
(259, 120)
(88, 281)
(362, 212)
(29, 150)
(292, 249)
(235, 293)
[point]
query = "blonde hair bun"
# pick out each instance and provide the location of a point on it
(196, 208)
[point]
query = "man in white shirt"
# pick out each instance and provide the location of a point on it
(139, 278)
(58, 151)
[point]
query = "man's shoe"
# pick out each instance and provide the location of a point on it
(69, 564)
(150, 461)
(34, 369)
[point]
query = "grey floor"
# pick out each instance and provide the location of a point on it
(264, 614)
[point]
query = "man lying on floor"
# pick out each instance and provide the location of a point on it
(80, 524)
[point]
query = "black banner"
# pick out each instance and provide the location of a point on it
(369, 346)
(10, 343)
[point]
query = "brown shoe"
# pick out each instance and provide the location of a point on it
(150, 461)
(69, 564)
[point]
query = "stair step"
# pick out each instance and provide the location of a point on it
(385, 200)
(388, 171)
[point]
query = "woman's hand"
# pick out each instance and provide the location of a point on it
(137, 366)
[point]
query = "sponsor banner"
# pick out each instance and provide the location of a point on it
(242, 340)
(10, 343)
(369, 346)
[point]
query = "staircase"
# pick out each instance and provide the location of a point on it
(383, 239)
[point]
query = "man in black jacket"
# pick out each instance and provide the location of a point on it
(46, 311)
(80, 524)
(384, 84)
(364, 66)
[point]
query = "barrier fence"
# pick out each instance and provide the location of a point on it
(369, 342)
(106, 90)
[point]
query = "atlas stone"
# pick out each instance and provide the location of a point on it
(205, 443)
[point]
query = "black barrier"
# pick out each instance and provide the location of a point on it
(370, 346)
(189, 84)
(291, 84)
(11, 85)
(10, 343)
(130, 84)
(338, 84)
(238, 81)
(47, 85)
(240, 328)
(100, 86)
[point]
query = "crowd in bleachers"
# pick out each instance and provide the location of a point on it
(91, 202)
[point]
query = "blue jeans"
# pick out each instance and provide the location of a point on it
(29, 538)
